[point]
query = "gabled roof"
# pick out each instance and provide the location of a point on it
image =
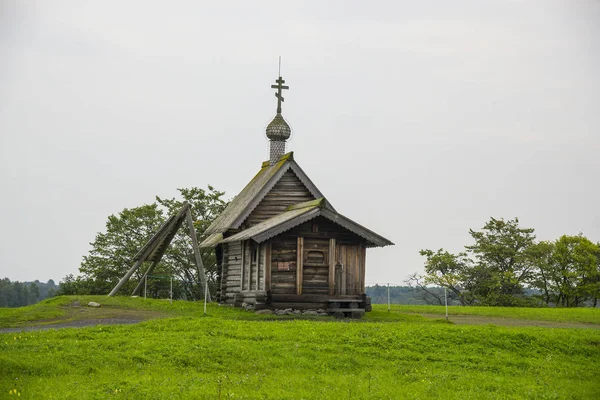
(242, 205)
(298, 214)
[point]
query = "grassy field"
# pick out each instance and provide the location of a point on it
(232, 354)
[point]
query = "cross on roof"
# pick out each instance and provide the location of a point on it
(279, 88)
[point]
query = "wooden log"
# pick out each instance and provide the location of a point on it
(332, 263)
(197, 256)
(268, 266)
(299, 266)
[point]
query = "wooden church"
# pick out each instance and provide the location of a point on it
(281, 244)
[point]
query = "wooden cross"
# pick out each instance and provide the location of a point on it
(279, 88)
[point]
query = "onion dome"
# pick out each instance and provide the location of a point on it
(278, 129)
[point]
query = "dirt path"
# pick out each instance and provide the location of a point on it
(480, 320)
(81, 317)
(74, 324)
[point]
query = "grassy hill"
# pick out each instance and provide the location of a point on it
(231, 354)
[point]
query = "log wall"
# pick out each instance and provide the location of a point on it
(231, 271)
(287, 191)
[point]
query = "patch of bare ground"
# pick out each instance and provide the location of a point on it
(479, 320)
(83, 316)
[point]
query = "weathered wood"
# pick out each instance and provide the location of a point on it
(299, 266)
(242, 264)
(268, 266)
(331, 266)
(363, 265)
(142, 281)
(343, 251)
(289, 190)
(197, 256)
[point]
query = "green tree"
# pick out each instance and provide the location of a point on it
(504, 261)
(444, 269)
(575, 269)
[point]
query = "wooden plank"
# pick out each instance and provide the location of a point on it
(357, 274)
(344, 266)
(268, 266)
(299, 266)
(331, 266)
(242, 265)
(363, 267)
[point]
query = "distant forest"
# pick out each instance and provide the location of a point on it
(18, 294)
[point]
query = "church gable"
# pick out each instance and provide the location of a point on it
(289, 190)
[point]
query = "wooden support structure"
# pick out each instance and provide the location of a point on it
(155, 248)
(140, 285)
(197, 256)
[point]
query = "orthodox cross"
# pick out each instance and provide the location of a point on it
(279, 88)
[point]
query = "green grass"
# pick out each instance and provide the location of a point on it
(232, 354)
(584, 315)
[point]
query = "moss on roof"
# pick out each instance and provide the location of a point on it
(312, 203)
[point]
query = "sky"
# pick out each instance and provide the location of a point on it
(420, 120)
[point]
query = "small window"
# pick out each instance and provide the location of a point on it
(315, 227)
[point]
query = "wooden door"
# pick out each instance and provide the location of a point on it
(347, 270)
(315, 266)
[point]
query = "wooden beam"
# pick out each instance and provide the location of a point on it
(299, 266)
(258, 247)
(357, 274)
(363, 264)
(332, 263)
(140, 285)
(124, 279)
(197, 256)
(344, 267)
(243, 264)
(268, 266)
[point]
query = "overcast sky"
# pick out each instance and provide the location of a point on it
(419, 120)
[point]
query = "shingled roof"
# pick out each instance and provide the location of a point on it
(242, 205)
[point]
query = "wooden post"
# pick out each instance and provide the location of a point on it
(363, 266)
(126, 277)
(332, 263)
(199, 264)
(299, 265)
(242, 264)
(268, 266)
(144, 279)
(344, 268)
(257, 266)
(249, 262)
(357, 275)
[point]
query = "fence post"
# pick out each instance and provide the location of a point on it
(388, 290)
(446, 300)
(171, 290)
(205, 295)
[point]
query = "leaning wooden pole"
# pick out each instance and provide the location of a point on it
(199, 264)
(126, 277)
(143, 280)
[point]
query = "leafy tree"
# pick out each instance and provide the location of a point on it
(504, 261)
(126, 233)
(444, 269)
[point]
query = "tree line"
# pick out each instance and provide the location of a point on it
(126, 233)
(18, 294)
(506, 261)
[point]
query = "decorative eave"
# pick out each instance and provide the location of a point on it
(301, 213)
